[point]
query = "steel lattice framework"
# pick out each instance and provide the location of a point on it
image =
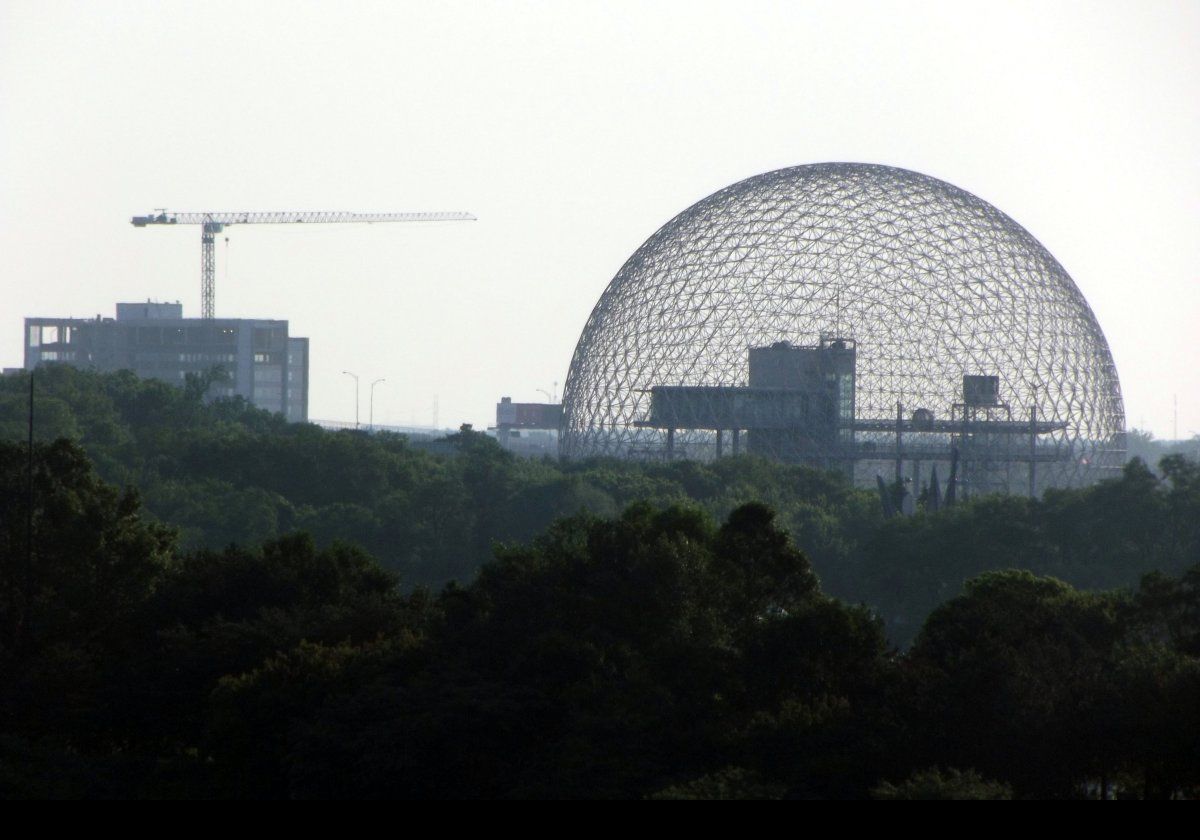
(930, 281)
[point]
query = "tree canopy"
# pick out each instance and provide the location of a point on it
(274, 610)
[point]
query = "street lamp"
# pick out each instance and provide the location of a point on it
(371, 416)
(348, 373)
(553, 398)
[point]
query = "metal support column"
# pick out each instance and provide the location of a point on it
(1033, 449)
(208, 268)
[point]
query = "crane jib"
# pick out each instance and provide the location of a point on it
(214, 223)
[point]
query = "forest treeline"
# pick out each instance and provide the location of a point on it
(226, 473)
(656, 653)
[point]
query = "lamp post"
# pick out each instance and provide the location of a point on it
(553, 398)
(371, 415)
(348, 373)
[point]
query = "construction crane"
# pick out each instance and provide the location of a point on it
(213, 223)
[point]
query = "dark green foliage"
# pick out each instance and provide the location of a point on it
(225, 472)
(111, 657)
(943, 784)
(606, 659)
(93, 558)
(1012, 674)
(730, 783)
(1142, 444)
(616, 629)
(1101, 537)
(656, 653)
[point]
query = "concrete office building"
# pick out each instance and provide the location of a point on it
(264, 364)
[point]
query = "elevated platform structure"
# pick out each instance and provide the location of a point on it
(799, 408)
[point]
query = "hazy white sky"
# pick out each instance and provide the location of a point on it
(573, 130)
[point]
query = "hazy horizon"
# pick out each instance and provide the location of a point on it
(573, 132)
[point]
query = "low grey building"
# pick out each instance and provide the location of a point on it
(264, 364)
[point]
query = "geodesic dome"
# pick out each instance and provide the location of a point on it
(929, 281)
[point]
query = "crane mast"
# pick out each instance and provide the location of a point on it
(213, 223)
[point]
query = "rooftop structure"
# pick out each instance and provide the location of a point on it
(529, 429)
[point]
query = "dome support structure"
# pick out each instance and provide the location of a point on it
(856, 317)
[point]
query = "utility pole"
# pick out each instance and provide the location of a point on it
(355, 375)
(371, 416)
(26, 626)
